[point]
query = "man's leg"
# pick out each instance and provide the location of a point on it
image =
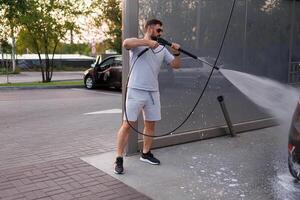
(147, 156)
(122, 137)
(134, 105)
(149, 127)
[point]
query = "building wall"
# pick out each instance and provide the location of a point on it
(257, 43)
(296, 35)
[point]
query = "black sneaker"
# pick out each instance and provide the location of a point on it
(149, 158)
(119, 166)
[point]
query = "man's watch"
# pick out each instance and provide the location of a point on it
(176, 54)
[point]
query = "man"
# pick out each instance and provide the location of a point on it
(143, 91)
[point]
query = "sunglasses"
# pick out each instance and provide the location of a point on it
(159, 30)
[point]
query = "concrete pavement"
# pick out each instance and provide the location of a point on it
(64, 179)
(43, 135)
(25, 77)
(48, 142)
(252, 166)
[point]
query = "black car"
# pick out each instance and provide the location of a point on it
(294, 144)
(107, 73)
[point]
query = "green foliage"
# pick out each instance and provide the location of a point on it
(3, 27)
(6, 47)
(45, 24)
(24, 42)
(101, 47)
(10, 13)
(4, 72)
(74, 48)
(111, 15)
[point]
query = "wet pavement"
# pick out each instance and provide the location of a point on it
(250, 166)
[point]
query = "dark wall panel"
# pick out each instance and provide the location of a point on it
(257, 43)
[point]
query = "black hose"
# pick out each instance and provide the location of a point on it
(205, 86)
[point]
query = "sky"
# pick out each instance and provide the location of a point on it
(89, 33)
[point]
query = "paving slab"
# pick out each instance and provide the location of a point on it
(250, 166)
(64, 179)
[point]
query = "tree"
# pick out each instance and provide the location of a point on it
(110, 15)
(101, 47)
(45, 25)
(3, 26)
(81, 48)
(25, 43)
(10, 12)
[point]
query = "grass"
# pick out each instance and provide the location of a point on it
(39, 84)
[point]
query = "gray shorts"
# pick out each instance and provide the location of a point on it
(142, 100)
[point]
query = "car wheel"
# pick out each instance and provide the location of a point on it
(294, 167)
(89, 82)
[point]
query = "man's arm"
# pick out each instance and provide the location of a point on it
(176, 62)
(131, 43)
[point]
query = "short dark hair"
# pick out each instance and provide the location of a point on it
(152, 22)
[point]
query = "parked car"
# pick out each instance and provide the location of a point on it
(294, 144)
(107, 73)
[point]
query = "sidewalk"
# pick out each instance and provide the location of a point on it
(25, 77)
(65, 179)
(252, 165)
(42, 141)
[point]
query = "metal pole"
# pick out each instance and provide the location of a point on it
(226, 116)
(291, 78)
(13, 50)
(130, 29)
(1, 52)
(6, 63)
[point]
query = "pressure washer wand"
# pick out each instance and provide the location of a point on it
(165, 42)
(211, 65)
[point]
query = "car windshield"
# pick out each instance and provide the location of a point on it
(118, 61)
(106, 62)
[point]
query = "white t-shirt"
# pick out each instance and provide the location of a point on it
(144, 75)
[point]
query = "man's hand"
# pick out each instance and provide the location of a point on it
(176, 63)
(174, 48)
(153, 44)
